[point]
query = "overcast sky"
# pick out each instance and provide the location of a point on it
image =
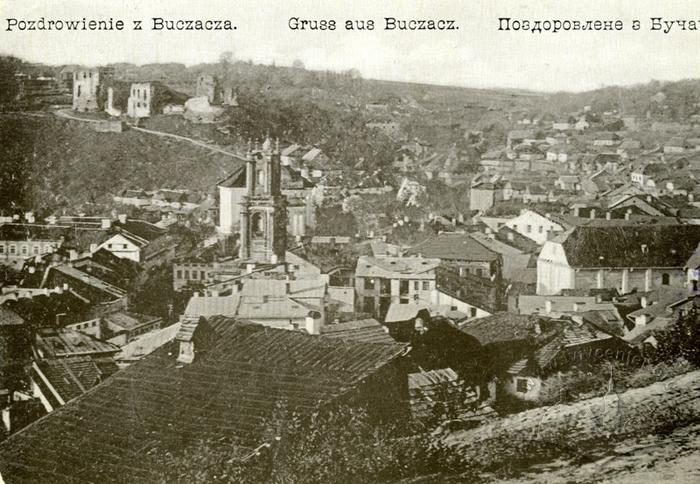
(477, 55)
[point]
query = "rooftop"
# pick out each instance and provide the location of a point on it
(158, 405)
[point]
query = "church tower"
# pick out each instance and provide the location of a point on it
(264, 208)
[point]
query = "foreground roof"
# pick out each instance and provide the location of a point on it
(158, 405)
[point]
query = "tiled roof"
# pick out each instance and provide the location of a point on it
(71, 377)
(501, 327)
(141, 228)
(158, 405)
(62, 343)
(395, 267)
(212, 306)
(9, 318)
(128, 320)
(454, 247)
(17, 232)
(630, 246)
(363, 330)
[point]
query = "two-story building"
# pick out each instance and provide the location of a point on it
(379, 282)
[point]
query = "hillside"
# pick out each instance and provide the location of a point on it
(54, 163)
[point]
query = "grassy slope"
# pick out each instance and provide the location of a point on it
(59, 163)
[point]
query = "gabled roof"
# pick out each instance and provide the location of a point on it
(158, 405)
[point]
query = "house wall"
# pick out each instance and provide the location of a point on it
(140, 99)
(482, 199)
(553, 270)
(230, 199)
(85, 90)
(13, 253)
(440, 298)
(532, 383)
(122, 248)
(534, 226)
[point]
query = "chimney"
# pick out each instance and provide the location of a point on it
(510, 236)
(32, 269)
(122, 218)
(29, 217)
(627, 215)
(65, 286)
(691, 198)
(93, 248)
(51, 220)
(548, 306)
(649, 198)
(59, 289)
(73, 254)
(185, 339)
(644, 302)
(538, 329)
(576, 307)
(105, 223)
(313, 322)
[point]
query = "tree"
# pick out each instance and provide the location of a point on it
(681, 339)
(9, 66)
(298, 64)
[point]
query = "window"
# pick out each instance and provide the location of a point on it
(416, 285)
(369, 283)
(35, 250)
(665, 279)
(479, 272)
(79, 89)
(472, 312)
(426, 285)
(528, 229)
(2, 248)
(13, 249)
(109, 246)
(25, 250)
(521, 385)
(194, 274)
(124, 246)
(202, 275)
(187, 274)
(541, 229)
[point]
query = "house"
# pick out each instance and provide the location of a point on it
(570, 183)
(605, 138)
(657, 310)
(462, 253)
(515, 259)
(642, 205)
(520, 351)
(536, 226)
(625, 257)
(121, 327)
(139, 241)
(677, 144)
(520, 136)
(15, 353)
(484, 195)
(20, 241)
(379, 282)
(361, 330)
(559, 153)
(219, 382)
(561, 125)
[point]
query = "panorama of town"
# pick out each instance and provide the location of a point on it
(235, 272)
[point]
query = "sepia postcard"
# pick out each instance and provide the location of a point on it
(349, 242)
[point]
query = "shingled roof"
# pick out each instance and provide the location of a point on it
(158, 405)
(630, 246)
(459, 247)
